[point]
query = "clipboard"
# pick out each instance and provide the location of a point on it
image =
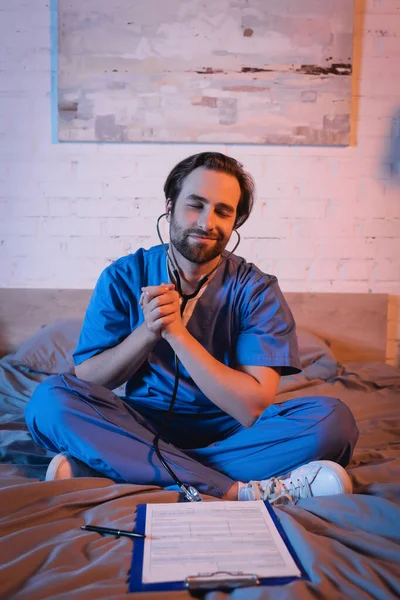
(201, 582)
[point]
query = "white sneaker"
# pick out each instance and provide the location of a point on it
(317, 478)
(65, 466)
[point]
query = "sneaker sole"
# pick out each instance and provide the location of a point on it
(341, 476)
(55, 466)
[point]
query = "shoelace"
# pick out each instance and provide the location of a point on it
(299, 489)
(284, 491)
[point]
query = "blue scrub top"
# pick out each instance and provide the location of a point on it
(241, 318)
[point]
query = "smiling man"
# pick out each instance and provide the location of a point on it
(202, 225)
(234, 340)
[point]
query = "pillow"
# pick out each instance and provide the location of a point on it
(317, 359)
(50, 350)
(317, 363)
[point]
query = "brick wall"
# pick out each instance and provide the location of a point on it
(326, 219)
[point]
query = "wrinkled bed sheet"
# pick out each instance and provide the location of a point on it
(349, 545)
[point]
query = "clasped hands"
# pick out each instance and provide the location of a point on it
(161, 309)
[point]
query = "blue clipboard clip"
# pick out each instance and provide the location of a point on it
(221, 580)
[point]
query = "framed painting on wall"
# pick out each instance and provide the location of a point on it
(232, 71)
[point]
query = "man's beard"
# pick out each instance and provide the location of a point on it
(194, 250)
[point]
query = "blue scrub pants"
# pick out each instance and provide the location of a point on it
(102, 430)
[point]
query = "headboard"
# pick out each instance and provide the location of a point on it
(354, 324)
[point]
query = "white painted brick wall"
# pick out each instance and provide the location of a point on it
(326, 219)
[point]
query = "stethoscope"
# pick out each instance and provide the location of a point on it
(190, 491)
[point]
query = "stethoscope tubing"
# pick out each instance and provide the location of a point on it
(190, 492)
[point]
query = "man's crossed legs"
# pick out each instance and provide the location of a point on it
(283, 455)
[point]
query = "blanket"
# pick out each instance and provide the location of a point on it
(349, 545)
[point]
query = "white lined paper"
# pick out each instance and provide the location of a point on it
(185, 540)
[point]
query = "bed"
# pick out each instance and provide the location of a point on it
(349, 545)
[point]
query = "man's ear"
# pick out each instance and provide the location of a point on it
(168, 209)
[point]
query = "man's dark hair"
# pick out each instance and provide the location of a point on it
(213, 161)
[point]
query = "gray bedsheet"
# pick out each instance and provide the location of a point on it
(349, 545)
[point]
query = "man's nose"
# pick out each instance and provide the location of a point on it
(207, 220)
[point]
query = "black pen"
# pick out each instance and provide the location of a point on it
(116, 532)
